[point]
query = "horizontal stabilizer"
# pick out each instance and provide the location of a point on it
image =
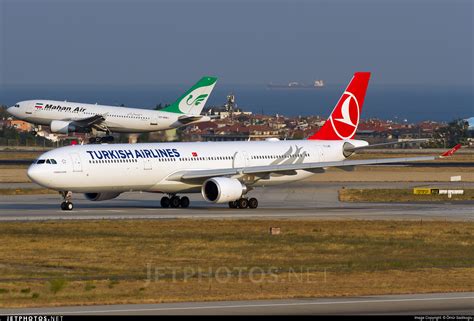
(186, 119)
(351, 148)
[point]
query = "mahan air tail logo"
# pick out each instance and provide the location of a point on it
(197, 101)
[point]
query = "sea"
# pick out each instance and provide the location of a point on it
(401, 103)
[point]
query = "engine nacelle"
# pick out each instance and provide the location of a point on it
(95, 197)
(222, 189)
(62, 127)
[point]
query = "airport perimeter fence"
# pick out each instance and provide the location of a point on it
(29, 142)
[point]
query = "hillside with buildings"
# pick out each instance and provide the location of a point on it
(231, 123)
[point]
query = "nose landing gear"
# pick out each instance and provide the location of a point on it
(66, 205)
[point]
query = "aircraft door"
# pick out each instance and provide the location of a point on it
(154, 121)
(147, 164)
(241, 159)
(76, 162)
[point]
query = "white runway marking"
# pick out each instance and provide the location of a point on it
(355, 301)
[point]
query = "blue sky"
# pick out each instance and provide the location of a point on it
(141, 42)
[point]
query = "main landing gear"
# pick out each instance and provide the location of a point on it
(35, 131)
(66, 205)
(244, 203)
(101, 140)
(174, 201)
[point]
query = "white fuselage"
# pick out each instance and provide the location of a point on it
(148, 167)
(117, 119)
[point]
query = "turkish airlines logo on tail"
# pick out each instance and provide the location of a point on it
(345, 118)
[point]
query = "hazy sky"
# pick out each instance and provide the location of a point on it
(169, 42)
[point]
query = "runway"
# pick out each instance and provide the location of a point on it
(421, 304)
(298, 200)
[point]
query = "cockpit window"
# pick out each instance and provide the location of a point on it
(46, 161)
(17, 105)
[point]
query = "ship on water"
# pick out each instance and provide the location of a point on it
(317, 84)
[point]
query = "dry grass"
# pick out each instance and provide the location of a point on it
(26, 191)
(398, 195)
(104, 262)
(13, 155)
(13, 174)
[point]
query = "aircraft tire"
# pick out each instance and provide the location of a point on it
(165, 202)
(243, 203)
(253, 203)
(233, 204)
(175, 202)
(184, 202)
(67, 206)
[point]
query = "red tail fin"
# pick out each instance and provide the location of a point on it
(344, 119)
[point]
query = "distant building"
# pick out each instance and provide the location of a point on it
(5, 122)
(21, 125)
(228, 110)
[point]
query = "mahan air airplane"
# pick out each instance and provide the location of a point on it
(65, 117)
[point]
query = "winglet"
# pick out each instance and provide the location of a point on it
(451, 151)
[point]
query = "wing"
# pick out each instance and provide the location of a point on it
(290, 169)
(90, 121)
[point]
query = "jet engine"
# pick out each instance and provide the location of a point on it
(222, 189)
(62, 127)
(95, 197)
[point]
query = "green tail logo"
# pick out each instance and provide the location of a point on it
(196, 101)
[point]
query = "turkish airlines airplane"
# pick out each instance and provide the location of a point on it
(224, 172)
(65, 117)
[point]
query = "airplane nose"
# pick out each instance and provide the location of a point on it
(11, 110)
(33, 173)
(38, 175)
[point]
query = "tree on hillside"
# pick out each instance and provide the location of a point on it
(456, 132)
(161, 106)
(3, 112)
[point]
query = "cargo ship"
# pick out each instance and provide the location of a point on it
(296, 85)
